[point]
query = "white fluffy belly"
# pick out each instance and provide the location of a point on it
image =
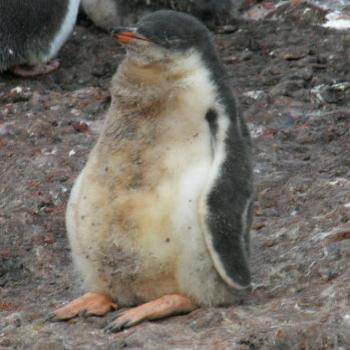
(138, 245)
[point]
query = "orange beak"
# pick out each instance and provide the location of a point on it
(126, 35)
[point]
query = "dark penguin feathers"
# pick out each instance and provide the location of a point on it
(109, 13)
(170, 29)
(32, 31)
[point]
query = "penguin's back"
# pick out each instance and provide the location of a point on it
(104, 13)
(32, 31)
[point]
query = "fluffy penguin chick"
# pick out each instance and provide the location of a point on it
(162, 210)
(32, 32)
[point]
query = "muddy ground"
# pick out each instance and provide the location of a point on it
(292, 78)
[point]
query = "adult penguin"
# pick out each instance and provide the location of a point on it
(109, 13)
(32, 32)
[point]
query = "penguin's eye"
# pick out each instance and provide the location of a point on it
(171, 42)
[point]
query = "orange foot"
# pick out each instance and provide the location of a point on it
(33, 71)
(172, 304)
(89, 304)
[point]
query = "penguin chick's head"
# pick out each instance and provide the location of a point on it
(165, 35)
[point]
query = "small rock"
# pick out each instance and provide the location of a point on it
(303, 73)
(3, 143)
(15, 91)
(255, 94)
(260, 11)
(40, 128)
(259, 226)
(246, 55)
(285, 88)
(230, 59)
(75, 112)
(270, 243)
(227, 29)
(291, 53)
(334, 93)
(18, 94)
(80, 126)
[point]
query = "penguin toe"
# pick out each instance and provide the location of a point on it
(49, 317)
(167, 305)
(90, 304)
(118, 325)
(125, 319)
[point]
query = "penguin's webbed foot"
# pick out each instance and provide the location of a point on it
(167, 305)
(90, 304)
(33, 71)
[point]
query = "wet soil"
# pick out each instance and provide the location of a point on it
(292, 78)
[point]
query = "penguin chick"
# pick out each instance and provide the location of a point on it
(108, 13)
(32, 32)
(161, 212)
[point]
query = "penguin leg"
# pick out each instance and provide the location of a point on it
(167, 305)
(90, 304)
(33, 71)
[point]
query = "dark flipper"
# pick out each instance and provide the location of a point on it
(227, 204)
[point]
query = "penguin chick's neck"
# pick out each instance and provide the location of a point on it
(139, 86)
(152, 102)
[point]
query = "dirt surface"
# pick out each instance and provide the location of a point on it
(292, 78)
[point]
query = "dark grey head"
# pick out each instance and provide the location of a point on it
(174, 30)
(166, 33)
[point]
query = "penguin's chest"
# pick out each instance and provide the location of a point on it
(139, 198)
(144, 190)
